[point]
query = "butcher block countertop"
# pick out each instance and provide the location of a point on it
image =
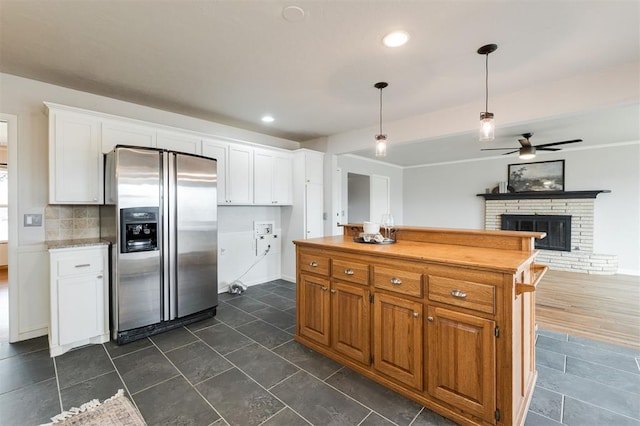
(489, 258)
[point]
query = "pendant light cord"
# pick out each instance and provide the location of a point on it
(486, 84)
(381, 111)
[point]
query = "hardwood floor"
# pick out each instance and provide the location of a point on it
(599, 307)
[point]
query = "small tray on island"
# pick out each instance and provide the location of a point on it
(369, 239)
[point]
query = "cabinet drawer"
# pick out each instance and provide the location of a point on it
(405, 282)
(466, 294)
(80, 265)
(350, 271)
(312, 262)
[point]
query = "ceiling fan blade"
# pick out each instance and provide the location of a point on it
(548, 149)
(511, 152)
(558, 143)
(524, 142)
(493, 149)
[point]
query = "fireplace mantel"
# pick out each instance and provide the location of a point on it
(544, 195)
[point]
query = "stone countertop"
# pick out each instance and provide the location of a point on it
(80, 242)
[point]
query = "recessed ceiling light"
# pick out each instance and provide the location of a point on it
(395, 39)
(268, 119)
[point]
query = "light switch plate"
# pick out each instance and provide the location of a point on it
(32, 219)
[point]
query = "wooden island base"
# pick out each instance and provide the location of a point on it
(443, 317)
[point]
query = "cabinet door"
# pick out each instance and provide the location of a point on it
(75, 159)
(218, 150)
(179, 142)
(314, 194)
(80, 308)
(350, 321)
(314, 308)
(397, 342)
(461, 361)
(282, 179)
(240, 174)
(314, 167)
(263, 168)
(116, 133)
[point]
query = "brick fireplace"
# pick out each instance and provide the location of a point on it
(577, 204)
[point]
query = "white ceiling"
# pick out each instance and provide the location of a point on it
(234, 61)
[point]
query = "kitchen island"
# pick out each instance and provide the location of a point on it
(443, 317)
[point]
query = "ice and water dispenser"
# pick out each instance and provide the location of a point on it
(139, 228)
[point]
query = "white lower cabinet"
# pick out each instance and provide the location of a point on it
(79, 285)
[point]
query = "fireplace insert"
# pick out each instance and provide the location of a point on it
(557, 227)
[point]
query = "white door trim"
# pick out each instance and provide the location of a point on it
(12, 167)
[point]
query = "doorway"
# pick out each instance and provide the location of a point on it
(368, 197)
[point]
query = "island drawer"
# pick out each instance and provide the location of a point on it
(399, 281)
(466, 294)
(349, 270)
(313, 262)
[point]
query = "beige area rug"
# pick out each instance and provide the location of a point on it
(115, 411)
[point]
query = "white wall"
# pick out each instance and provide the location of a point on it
(352, 164)
(24, 98)
(445, 195)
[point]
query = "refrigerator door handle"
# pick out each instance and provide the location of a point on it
(173, 243)
(165, 237)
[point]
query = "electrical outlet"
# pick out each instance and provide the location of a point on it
(32, 219)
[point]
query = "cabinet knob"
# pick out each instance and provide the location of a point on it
(313, 264)
(416, 315)
(459, 294)
(324, 289)
(333, 291)
(396, 281)
(348, 271)
(430, 319)
(99, 277)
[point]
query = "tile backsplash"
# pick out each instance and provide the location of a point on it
(71, 222)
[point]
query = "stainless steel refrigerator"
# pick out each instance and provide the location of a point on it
(160, 214)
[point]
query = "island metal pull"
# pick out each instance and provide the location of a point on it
(324, 289)
(333, 291)
(395, 281)
(313, 264)
(416, 315)
(348, 271)
(84, 265)
(430, 319)
(458, 293)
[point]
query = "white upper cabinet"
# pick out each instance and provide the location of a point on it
(75, 158)
(181, 142)
(314, 167)
(240, 175)
(273, 177)
(218, 150)
(121, 133)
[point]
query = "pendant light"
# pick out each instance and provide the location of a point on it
(381, 139)
(487, 126)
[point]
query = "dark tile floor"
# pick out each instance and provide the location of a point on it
(243, 368)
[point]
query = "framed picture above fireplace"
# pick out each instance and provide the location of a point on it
(538, 176)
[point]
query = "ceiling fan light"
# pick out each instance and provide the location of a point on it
(527, 153)
(381, 145)
(487, 127)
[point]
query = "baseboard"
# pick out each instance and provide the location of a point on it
(288, 278)
(634, 272)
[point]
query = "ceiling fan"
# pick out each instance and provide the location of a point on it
(528, 151)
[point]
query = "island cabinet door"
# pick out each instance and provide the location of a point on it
(397, 338)
(314, 308)
(351, 321)
(461, 361)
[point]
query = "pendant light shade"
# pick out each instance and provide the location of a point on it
(381, 139)
(487, 125)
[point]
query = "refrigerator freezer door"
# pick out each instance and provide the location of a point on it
(196, 234)
(137, 276)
